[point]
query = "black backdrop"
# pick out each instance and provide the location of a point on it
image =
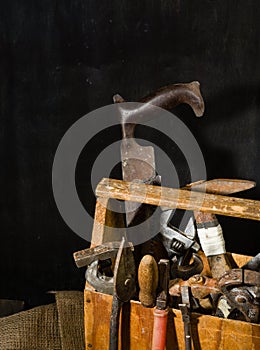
(61, 59)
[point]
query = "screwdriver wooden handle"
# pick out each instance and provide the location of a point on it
(148, 280)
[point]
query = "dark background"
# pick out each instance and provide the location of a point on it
(61, 59)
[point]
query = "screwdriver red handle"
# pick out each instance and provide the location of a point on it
(159, 328)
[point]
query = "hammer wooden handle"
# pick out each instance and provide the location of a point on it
(148, 280)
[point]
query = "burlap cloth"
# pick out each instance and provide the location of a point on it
(58, 326)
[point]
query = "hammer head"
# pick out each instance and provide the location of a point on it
(104, 251)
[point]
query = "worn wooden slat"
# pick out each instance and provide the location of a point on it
(176, 198)
(105, 222)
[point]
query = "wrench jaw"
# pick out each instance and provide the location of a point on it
(179, 247)
(176, 242)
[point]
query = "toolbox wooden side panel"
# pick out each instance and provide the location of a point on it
(208, 332)
(105, 222)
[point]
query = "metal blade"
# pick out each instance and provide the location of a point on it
(124, 273)
(221, 186)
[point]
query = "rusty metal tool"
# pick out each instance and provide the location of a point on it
(185, 307)
(124, 288)
(161, 309)
(101, 252)
(177, 243)
(238, 293)
(241, 294)
(200, 286)
(148, 280)
(121, 284)
(97, 260)
(138, 162)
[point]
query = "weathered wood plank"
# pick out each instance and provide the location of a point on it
(176, 198)
(105, 223)
(209, 333)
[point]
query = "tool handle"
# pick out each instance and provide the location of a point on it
(159, 329)
(184, 307)
(213, 243)
(187, 336)
(167, 98)
(148, 280)
(114, 323)
(219, 264)
(171, 96)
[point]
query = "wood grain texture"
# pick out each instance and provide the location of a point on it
(176, 198)
(148, 277)
(105, 222)
(208, 332)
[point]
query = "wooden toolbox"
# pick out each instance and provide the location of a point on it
(208, 332)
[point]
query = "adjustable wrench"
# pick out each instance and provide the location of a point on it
(177, 245)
